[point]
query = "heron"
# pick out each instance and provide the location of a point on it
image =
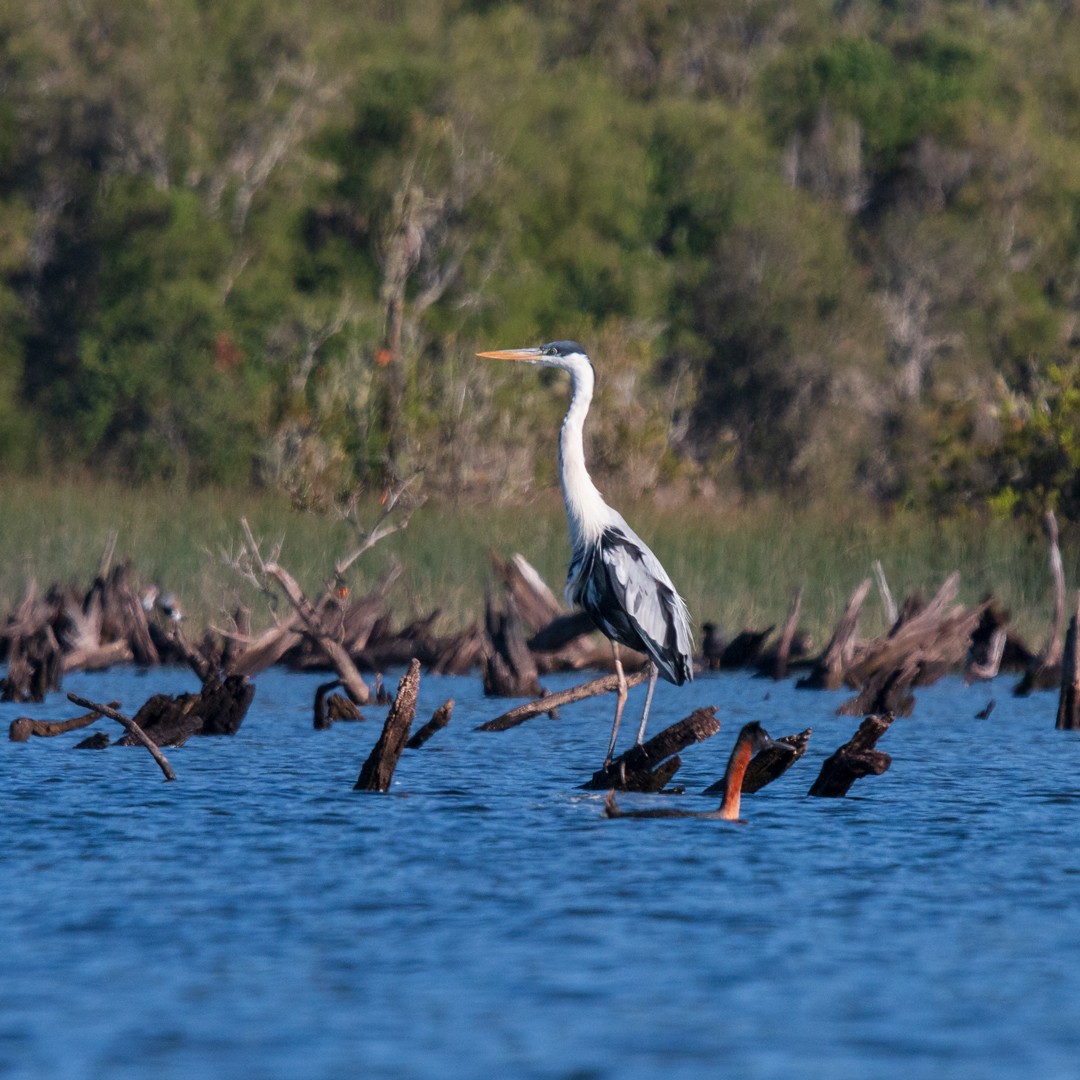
(613, 575)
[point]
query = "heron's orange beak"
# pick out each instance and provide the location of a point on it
(529, 355)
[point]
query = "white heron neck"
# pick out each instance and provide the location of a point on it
(586, 511)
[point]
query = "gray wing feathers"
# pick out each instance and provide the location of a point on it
(642, 589)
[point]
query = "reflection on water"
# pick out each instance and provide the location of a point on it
(258, 918)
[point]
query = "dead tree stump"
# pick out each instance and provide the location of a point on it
(1068, 714)
(378, 770)
(35, 666)
(855, 759)
(436, 723)
(98, 741)
(649, 767)
(509, 667)
(828, 672)
(886, 691)
(218, 709)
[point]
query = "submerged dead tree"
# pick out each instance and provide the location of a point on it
(135, 733)
(378, 770)
(437, 722)
(509, 667)
(650, 766)
(829, 670)
(855, 759)
(1068, 713)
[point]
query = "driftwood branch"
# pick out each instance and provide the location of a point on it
(855, 759)
(438, 721)
(378, 770)
(649, 767)
(23, 726)
(132, 729)
(604, 685)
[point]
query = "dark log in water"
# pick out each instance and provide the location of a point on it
(98, 741)
(1068, 713)
(218, 708)
(886, 691)
(649, 767)
(855, 759)
(378, 770)
(437, 722)
(745, 649)
(509, 667)
(35, 666)
(23, 727)
(606, 684)
(134, 732)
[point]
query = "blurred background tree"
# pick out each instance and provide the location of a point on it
(815, 250)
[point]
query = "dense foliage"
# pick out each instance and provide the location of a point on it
(814, 247)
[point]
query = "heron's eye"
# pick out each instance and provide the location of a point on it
(550, 350)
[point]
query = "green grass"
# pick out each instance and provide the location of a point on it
(736, 565)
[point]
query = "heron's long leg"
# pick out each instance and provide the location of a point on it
(619, 703)
(654, 672)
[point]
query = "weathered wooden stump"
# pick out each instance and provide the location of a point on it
(828, 672)
(649, 767)
(35, 666)
(1045, 672)
(855, 759)
(888, 690)
(98, 741)
(509, 667)
(1068, 713)
(774, 663)
(218, 709)
(438, 721)
(378, 770)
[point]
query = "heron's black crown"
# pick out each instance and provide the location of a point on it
(563, 348)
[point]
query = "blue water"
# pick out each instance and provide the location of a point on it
(258, 918)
